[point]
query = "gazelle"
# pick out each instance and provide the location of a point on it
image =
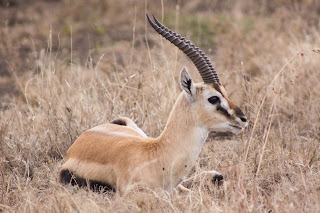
(119, 154)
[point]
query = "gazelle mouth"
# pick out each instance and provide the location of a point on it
(237, 127)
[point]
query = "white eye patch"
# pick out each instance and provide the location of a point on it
(223, 102)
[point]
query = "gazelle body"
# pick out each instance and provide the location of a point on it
(120, 155)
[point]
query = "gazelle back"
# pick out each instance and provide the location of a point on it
(119, 154)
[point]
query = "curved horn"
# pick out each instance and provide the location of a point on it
(197, 56)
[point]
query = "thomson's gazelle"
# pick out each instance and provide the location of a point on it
(119, 154)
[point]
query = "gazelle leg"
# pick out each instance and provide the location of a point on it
(181, 188)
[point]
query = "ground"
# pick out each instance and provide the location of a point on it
(67, 66)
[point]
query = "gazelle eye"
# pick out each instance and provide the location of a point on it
(214, 99)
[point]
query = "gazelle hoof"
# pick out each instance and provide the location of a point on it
(217, 179)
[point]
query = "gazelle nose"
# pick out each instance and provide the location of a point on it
(243, 119)
(241, 115)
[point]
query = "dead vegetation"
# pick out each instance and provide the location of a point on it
(66, 67)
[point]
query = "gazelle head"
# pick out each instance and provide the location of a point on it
(213, 109)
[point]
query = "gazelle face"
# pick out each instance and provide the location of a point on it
(217, 112)
(211, 106)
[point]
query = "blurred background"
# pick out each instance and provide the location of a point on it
(81, 31)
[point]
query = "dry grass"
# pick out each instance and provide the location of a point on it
(268, 56)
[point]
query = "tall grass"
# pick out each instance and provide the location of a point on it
(267, 57)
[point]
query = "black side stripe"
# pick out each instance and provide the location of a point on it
(68, 177)
(119, 122)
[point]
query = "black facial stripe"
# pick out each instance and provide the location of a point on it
(224, 111)
(239, 113)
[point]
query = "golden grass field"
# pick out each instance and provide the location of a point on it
(67, 66)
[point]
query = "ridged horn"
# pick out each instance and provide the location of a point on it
(197, 56)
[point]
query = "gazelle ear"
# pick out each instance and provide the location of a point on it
(187, 85)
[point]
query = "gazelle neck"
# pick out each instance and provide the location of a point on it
(183, 136)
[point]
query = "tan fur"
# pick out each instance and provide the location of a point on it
(122, 155)
(224, 93)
